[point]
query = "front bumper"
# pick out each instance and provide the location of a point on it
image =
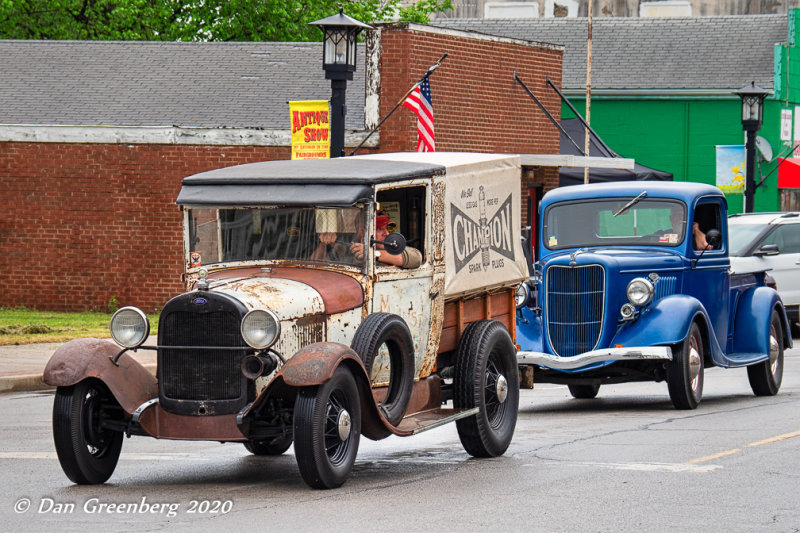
(638, 353)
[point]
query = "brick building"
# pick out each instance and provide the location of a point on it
(96, 136)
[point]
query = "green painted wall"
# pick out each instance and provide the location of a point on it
(680, 135)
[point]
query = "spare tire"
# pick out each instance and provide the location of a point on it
(381, 329)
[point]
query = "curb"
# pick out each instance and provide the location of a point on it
(26, 381)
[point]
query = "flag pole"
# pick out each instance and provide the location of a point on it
(547, 113)
(400, 102)
(588, 90)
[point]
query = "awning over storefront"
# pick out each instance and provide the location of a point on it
(789, 173)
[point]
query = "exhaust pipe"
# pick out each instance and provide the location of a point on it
(254, 366)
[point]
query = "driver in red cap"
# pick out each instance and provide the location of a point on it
(410, 258)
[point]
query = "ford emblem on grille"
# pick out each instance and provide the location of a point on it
(199, 301)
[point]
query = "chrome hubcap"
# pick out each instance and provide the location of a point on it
(694, 366)
(344, 424)
(502, 388)
(774, 350)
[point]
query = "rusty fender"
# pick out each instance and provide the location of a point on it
(315, 364)
(130, 382)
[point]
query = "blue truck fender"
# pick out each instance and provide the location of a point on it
(667, 322)
(753, 318)
(530, 330)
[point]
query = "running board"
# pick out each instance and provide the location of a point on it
(433, 418)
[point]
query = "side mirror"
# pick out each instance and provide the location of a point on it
(714, 238)
(767, 249)
(394, 244)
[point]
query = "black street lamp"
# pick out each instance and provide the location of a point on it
(752, 113)
(339, 62)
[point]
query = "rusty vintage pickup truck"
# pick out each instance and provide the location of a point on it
(296, 326)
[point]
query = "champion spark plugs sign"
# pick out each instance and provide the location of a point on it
(482, 214)
(474, 240)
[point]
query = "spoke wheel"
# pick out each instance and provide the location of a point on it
(486, 376)
(327, 429)
(766, 377)
(88, 451)
(685, 371)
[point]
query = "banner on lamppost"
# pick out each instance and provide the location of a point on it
(731, 168)
(310, 129)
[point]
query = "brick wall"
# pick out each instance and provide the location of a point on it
(477, 105)
(83, 223)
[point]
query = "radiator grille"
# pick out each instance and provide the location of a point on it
(200, 374)
(575, 308)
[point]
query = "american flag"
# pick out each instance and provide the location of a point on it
(419, 101)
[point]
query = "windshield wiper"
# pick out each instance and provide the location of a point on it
(631, 203)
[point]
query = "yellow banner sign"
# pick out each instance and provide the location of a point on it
(310, 127)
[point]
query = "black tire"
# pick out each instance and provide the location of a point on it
(391, 331)
(486, 376)
(323, 456)
(685, 373)
(794, 328)
(766, 377)
(584, 392)
(88, 452)
(275, 446)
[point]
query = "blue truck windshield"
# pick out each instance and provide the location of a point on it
(650, 222)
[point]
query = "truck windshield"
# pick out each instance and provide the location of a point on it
(652, 222)
(275, 234)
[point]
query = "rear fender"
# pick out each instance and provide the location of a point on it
(315, 364)
(667, 322)
(79, 359)
(753, 319)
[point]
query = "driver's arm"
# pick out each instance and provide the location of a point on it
(410, 258)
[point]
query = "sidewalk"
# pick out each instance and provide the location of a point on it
(21, 366)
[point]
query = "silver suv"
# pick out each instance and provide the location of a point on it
(761, 241)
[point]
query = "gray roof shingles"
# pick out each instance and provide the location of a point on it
(109, 83)
(247, 85)
(706, 53)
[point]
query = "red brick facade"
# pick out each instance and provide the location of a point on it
(81, 224)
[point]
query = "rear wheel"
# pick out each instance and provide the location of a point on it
(685, 371)
(584, 392)
(327, 428)
(766, 377)
(486, 376)
(87, 450)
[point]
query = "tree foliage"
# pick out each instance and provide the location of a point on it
(194, 20)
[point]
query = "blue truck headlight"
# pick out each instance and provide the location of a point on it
(639, 291)
(260, 328)
(521, 295)
(129, 327)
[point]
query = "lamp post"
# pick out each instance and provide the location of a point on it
(752, 113)
(339, 63)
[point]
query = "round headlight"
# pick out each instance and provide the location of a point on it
(260, 328)
(521, 294)
(129, 327)
(639, 291)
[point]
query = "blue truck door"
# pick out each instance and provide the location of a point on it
(709, 280)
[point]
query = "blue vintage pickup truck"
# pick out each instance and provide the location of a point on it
(634, 284)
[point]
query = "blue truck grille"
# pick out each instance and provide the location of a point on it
(575, 308)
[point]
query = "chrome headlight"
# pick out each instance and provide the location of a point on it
(129, 327)
(639, 291)
(521, 294)
(260, 328)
